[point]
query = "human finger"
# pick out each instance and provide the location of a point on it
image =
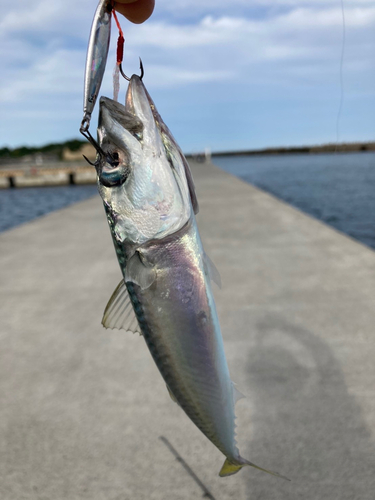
(137, 11)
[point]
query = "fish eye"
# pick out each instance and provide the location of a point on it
(113, 172)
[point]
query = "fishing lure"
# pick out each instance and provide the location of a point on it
(96, 60)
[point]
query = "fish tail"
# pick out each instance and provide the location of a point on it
(229, 468)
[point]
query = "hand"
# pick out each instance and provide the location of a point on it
(137, 11)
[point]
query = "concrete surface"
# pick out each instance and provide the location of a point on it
(56, 173)
(82, 408)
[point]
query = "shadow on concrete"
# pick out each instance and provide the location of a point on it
(306, 424)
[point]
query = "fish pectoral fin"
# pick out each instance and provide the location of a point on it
(173, 397)
(138, 272)
(230, 468)
(211, 270)
(119, 312)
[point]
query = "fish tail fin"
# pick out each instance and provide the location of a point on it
(230, 468)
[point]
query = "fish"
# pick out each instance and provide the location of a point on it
(165, 293)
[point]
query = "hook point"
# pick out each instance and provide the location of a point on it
(88, 161)
(142, 69)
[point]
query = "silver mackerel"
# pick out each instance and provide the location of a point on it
(165, 294)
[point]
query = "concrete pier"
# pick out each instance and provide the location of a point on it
(82, 408)
(46, 174)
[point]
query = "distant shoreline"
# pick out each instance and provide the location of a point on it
(354, 147)
(72, 151)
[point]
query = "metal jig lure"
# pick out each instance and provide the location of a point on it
(96, 61)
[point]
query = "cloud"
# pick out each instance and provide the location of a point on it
(48, 75)
(300, 36)
(290, 44)
(184, 10)
(192, 5)
(41, 17)
(220, 30)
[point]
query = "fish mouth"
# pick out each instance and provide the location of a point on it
(136, 117)
(136, 112)
(136, 101)
(133, 125)
(119, 133)
(126, 133)
(113, 111)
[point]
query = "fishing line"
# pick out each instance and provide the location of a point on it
(341, 76)
(324, 204)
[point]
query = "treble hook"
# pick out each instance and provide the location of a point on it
(141, 67)
(90, 138)
(109, 158)
(88, 161)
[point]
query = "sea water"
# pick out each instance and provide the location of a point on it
(20, 205)
(338, 189)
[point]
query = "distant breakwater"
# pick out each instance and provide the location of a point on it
(353, 147)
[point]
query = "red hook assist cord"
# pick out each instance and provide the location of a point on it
(120, 40)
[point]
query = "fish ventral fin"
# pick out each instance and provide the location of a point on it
(119, 312)
(229, 468)
(211, 270)
(172, 396)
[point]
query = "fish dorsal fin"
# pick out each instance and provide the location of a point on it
(211, 270)
(119, 312)
(237, 395)
(139, 272)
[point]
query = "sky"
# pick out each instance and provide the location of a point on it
(239, 74)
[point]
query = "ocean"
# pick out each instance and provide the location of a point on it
(21, 205)
(338, 189)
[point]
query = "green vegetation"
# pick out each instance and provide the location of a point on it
(75, 144)
(54, 148)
